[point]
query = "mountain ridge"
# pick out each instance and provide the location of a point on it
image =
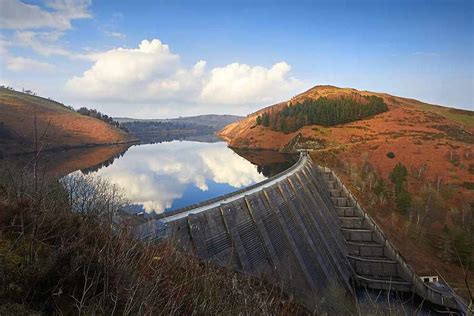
(217, 121)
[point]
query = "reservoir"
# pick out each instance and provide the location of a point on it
(161, 177)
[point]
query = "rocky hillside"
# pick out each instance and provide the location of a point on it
(57, 126)
(412, 167)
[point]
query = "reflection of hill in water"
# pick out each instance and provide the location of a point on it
(60, 163)
(268, 162)
(105, 163)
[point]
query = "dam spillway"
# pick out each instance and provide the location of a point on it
(302, 230)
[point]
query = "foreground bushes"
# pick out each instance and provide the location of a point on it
(53, 260)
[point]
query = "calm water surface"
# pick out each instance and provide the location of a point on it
(161, 177)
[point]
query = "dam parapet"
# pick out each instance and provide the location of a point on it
(302, 230)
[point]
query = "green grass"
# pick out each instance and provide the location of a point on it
(464, 117)
(7, 95)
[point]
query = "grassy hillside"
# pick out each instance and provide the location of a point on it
(247, 134)
(434, 226)
(56, 125)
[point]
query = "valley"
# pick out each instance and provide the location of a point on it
(237, 157)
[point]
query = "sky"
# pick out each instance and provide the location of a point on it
(159, 59)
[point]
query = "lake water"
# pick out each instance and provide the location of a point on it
(162, 177)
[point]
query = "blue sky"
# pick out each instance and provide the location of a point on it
(234, 56)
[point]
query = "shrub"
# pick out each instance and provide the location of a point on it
(468, 185)
(398, 176)
(391, 155)
(59, 254)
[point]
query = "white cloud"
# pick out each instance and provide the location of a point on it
(40, 42)
(426, 54)
(15, 14)
(243, 84)
(151, 74)
(44, 44)
(4, 44)
(18, 64)
(115, 34)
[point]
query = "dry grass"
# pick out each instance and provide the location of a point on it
(56, 261)
(417, 233)
(435, 143)
(63, 126)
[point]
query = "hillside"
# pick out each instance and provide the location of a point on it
(214, 121)
(57, 257)
(246, 134)
(57, 126)
(432, 223)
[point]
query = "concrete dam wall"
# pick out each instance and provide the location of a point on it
(302, 230)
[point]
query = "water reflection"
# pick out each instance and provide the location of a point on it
(268, 162)
(60, 162)
(165, 176)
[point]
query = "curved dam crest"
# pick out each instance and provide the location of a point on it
(301, 229)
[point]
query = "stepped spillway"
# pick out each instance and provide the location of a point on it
(301, 229)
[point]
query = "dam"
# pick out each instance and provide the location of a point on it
(302, 230)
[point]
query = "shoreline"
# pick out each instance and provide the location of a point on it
(65, 147)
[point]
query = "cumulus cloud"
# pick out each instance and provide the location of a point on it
(58, 14)
(18, 64)
(243, 84)
(131, 74)
(151, 73)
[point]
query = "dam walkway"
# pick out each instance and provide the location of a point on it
(302, 230)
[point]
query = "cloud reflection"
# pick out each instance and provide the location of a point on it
(156, 175)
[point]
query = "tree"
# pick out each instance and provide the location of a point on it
(259, 120)
(266, 119)
(324, 111)
(398, 177)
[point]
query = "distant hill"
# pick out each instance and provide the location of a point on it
(57, 126)
(202, 127)
(213, 121)
(430, 147)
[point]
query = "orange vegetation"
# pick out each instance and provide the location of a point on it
(434, 143)
(61, 126)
